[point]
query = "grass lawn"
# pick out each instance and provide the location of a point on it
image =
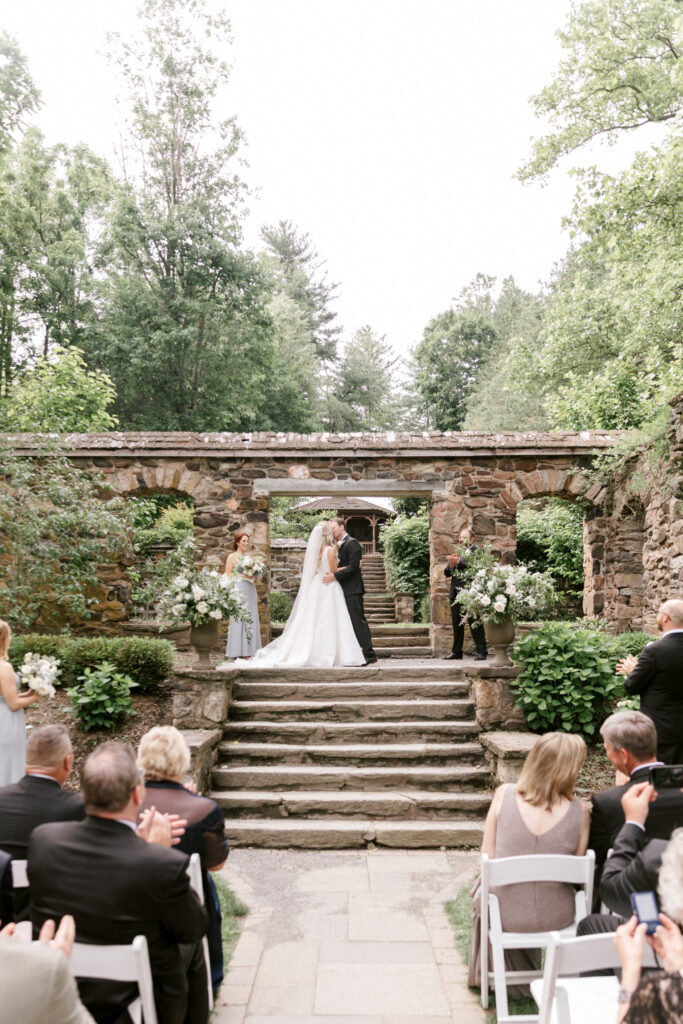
(459, 913)
(232, 909)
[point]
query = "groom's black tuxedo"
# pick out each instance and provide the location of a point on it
(350, 579)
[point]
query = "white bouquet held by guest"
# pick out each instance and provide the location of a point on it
(251, 565)
(198, 596)
(500, 592)
(39, 673)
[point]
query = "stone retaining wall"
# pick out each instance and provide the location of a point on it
(286, 563)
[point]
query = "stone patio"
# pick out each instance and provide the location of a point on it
(357, 937)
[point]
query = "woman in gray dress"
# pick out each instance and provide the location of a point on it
(540, 814)
(243, 644)
(12, 726)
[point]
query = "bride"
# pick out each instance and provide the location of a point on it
(319, 631)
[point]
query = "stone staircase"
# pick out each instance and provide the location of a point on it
(379, 604)
(353, 757)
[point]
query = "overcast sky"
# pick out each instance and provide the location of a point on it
(389, 130)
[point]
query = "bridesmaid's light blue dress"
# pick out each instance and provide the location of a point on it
(239, 644)
(12, 742)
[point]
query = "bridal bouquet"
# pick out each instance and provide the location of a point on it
(198, 596)
(39, 672)
(502, 592)
(251, 565)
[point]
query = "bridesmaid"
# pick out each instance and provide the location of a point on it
(12, 704)
(239, 644)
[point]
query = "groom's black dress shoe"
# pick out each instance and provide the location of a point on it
(370, 661)
(453, 657)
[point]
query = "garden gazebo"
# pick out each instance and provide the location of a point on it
(362, 518)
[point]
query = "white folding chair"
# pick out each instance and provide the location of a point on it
(511, 871)
(119, 963)
(574, 999)
(22, 929)
(194, 873)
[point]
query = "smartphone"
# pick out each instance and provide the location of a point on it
(646, 910)
(670, 776)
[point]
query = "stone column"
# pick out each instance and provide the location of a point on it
(445, 520)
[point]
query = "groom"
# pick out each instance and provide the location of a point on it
(350, 579)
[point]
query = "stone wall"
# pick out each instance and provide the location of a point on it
(286, 563)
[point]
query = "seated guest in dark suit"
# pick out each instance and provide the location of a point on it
(165, 758)
(634, 864)
(35, 981)
(38, 798)
(118, 886)
(630, 741)
(657, 676)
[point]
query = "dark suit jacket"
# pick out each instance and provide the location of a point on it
(457, 576)
(633, 867)
(25, 805)
(658, 678)
(117, 886)
(348, 574)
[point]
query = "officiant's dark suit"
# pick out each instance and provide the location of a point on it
(350, 578)
(658, 678)
(118, 886)
(458, 581)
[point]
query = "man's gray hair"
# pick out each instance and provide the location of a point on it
(671, 877)
(47, 747)
(674, 609)
(631, 731)
(109, 776)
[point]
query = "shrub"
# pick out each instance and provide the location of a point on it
(280, 606)
(424, 609)
(406, 553)
(102, 698)
(628, 643)
(568, 682)
(147, 661)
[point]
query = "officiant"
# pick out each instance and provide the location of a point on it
(455, 570)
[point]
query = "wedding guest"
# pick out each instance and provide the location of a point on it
(38, 798)
(119, 884)
(537, 815)
(244, 639)
(35, 981)
(657, 997)
(457, 563)
(165, 758)
(12, 724)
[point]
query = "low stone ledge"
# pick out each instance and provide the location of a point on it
(201, 698)
(506, 753)
(203, 744)
(493, 700)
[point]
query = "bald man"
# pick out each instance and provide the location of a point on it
(657, 675)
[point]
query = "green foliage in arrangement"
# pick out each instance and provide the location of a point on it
(102, 698)
(406, 554)
(148, 661)
(568, 681)
(280, 606)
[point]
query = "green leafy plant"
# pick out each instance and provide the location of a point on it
(550, 539)
(406, 553)
(424, 608)
(280, 606)
(568, 682)
(102, 698)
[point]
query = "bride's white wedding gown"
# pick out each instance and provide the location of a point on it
(318, 633)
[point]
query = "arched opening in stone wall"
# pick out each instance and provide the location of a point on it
(550, 538)
(625, 582)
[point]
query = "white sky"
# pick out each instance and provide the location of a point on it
(389, 130)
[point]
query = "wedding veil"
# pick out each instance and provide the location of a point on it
(308, 573)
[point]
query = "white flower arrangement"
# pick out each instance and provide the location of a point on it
(500, 592)
(202, 596)
(251, 565)
(39, 672)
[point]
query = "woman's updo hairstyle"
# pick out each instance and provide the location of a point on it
(237, 538)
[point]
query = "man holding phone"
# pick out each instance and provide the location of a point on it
(657, 675)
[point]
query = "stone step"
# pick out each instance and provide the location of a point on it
(331, 834)
(363, 689)
(408, 805)
(398, 640)
(404, 652)
(339, 777)
(318, 731)
(261, 753)
(348, 710)
(401, 630)
(438, 671)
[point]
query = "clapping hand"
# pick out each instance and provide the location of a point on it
(627, 665)
(164, 829)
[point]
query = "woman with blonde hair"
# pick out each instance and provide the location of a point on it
(12, 724)
(165, 757)
(537, 815)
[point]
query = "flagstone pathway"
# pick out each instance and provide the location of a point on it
(348, 937)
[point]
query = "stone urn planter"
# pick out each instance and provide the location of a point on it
(203, 638)
(499, 636)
